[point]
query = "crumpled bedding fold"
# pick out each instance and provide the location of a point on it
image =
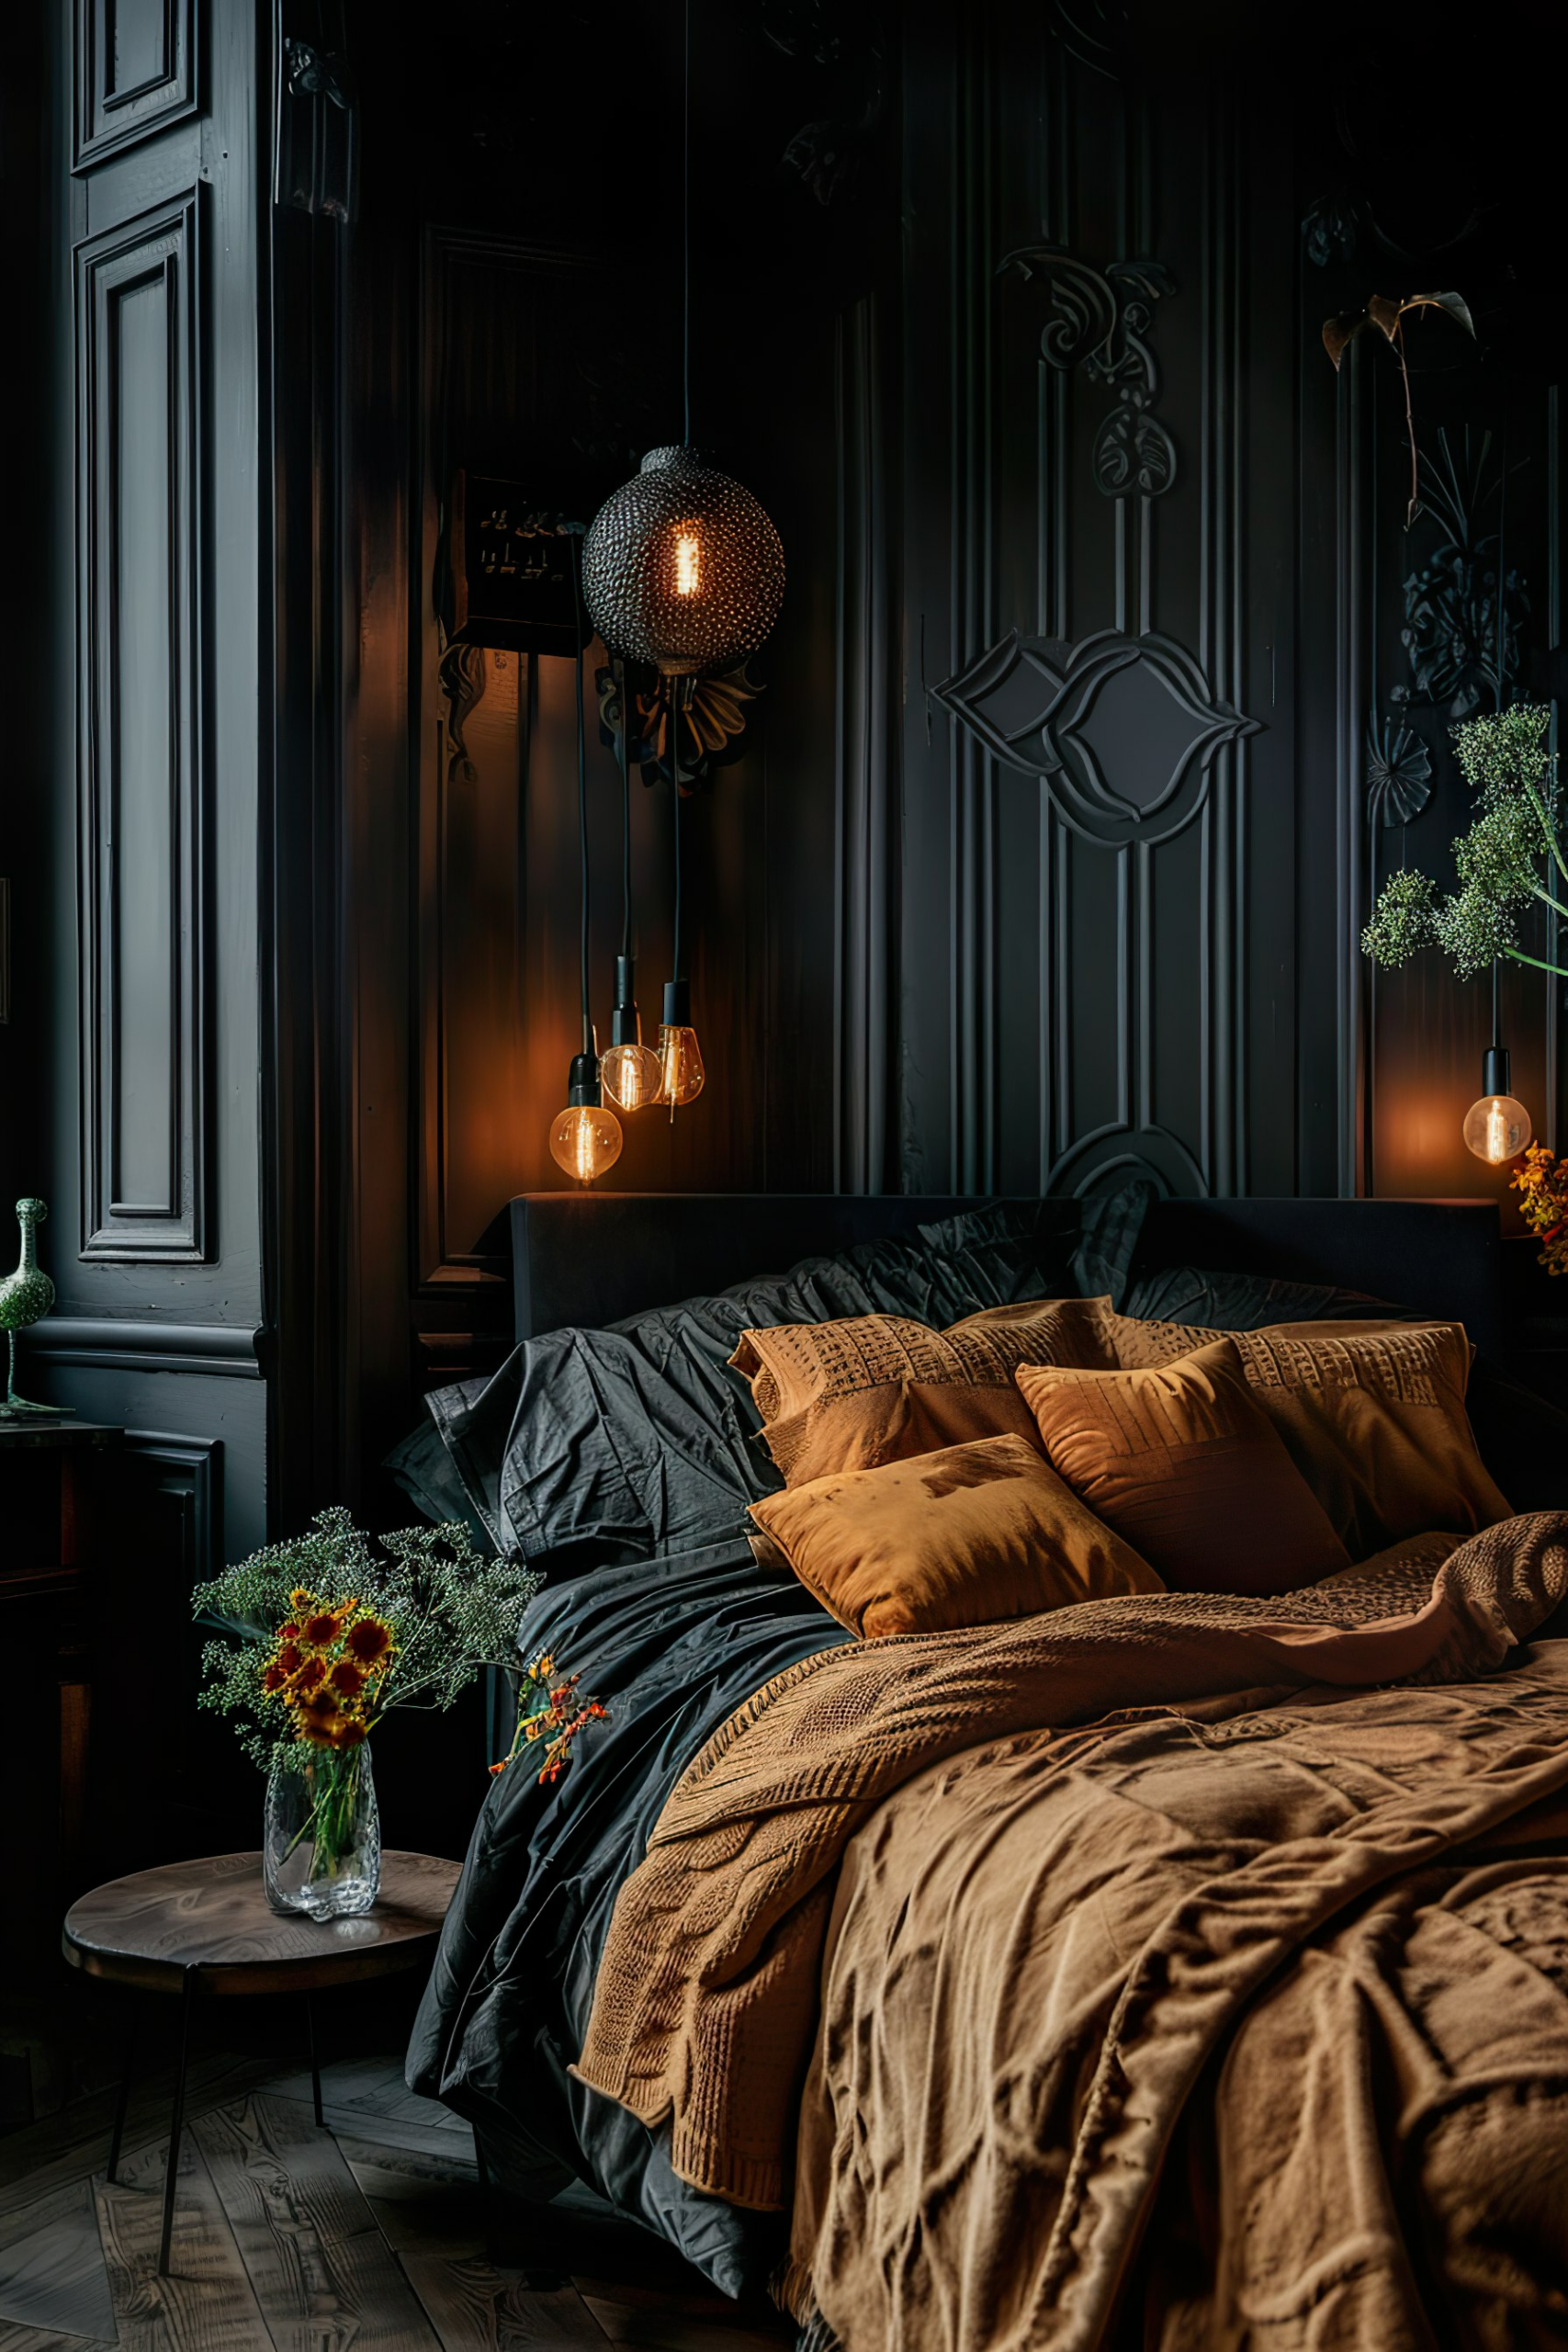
(1007, 1949)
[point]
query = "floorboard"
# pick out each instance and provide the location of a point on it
(474, 2307)
(369, 2236)
(51, 2264)
(206, 2303)
(423, 2204)
(309, 2241)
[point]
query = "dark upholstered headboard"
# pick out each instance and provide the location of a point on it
(592, 1257)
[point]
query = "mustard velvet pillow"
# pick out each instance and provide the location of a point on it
(1182, 1462)
(963, 1536)
(867, 1389)
(1373, 1414)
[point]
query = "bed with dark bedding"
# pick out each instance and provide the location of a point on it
(756, 1971)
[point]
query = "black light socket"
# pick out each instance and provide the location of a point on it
(677, 1012)
(582, 1083)
(626, 1021)
(1495, 1076)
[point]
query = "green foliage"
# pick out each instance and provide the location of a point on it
(1403, 920)
(1504, 863)
(452, 1609)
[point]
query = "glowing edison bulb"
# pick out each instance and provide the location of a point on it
(631, 1076)
(585, 1140)
(1496, 1128)
(681, 1071)
(688, 564)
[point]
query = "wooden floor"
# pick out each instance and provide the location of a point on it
(367, 2234)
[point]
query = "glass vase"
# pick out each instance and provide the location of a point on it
(322, 1847)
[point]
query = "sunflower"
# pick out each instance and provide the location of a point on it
(290, 1657)
(311, 1673)
(346, 1679)
(370, 1642)
(350, 1733)
(323, 1628)
(273, 1677)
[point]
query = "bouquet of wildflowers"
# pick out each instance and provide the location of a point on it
(327, 1632)
(322, 1636)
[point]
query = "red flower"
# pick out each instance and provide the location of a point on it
(288, 1658)
(369, 1640)
(347, 1679)
(288, 1632)
(323, 1628)
(273, 1678)
(311, 1673)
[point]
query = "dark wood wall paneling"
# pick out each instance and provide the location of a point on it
(1453, 189)
(145, 1136)
(1048, 853)
(1098, 786)
(513, 299)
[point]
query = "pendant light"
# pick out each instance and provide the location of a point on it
(585, 1138)
(681, 567)
(1496, 1125)
(629, 1072)
(680, 1073)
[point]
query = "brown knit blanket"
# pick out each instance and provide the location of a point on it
(707, 2000)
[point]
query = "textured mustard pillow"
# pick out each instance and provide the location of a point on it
(1182, 1462)
(1373, 1413)
(867, 1389)
(963, 1536)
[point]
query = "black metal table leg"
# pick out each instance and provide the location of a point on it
(123, 2102)
(315, 2069)
(175, 2120)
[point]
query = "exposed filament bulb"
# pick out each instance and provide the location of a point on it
(688, 565)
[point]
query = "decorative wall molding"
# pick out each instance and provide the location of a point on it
(1138, 707)
(1101, 320)
(189, 1471)
(137, 71)
(865, 767)
(225, 1350)
(496, 310)
(143, 928)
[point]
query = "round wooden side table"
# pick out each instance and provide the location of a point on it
(207, 1926)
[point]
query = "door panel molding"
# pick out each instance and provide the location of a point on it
(143, 930)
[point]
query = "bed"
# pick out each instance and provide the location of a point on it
(790, 2020)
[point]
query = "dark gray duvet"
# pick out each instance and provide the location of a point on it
(673, 1646)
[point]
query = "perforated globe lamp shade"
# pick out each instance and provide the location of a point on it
(681, 567)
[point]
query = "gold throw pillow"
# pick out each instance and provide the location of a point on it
(963, 1536)
(1183, 1463)
(1373, 1413)
(867, 1389)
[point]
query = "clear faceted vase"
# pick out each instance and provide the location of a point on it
(322, 1845)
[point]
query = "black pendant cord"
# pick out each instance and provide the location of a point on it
(686, 233)
(675, 972)
(1501, 656)
(622, 748)
(582, 784)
